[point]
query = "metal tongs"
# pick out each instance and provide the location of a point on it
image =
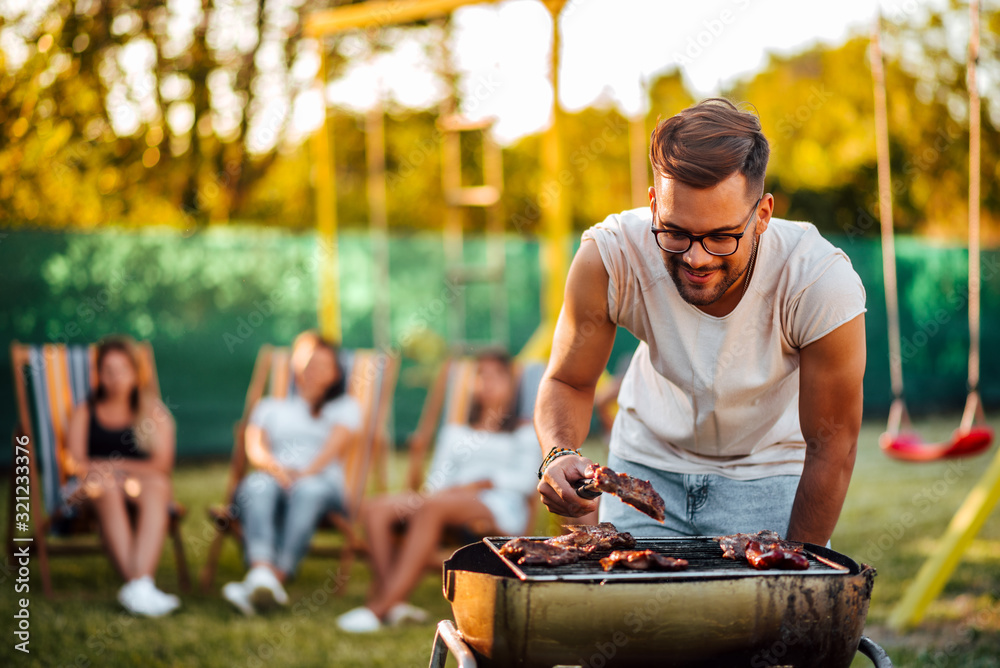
(585, 488)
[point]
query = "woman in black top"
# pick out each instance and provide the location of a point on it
(120, 444)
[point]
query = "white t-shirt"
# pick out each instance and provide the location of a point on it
(296, 437)
(719, 395)
(509, 460)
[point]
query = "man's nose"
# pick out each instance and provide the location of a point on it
(696, 256)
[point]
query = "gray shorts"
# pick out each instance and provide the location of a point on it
(704, 504)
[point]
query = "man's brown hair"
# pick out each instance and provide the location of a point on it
(709, 142)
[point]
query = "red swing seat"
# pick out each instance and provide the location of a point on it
(909, 447)
(971, 438)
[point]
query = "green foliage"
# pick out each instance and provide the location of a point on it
(65, 160)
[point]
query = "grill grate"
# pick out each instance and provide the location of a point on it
(703, 554)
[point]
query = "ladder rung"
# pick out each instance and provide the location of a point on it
(473, 196)
(462, 124)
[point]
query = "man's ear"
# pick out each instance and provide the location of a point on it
(652, 194)
(764, 211)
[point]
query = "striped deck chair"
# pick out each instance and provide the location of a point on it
(371, 380)
(49, 380)
(449, 401)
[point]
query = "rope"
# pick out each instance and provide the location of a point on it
(974, 198)
(885, 213)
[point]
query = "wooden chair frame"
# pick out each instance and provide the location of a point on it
(54, 356)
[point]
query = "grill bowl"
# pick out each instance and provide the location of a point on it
(734, 616)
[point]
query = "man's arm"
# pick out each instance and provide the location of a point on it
(580, 349)
(830, 401)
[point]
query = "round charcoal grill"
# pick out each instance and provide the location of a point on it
(718, 612)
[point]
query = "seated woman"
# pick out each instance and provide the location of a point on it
(296, 445)
(120, 446)
(481, 480)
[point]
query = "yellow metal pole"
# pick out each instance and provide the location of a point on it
(937, 570)
(554, 205)
(553, 200)
(380, 13)
(326, 217)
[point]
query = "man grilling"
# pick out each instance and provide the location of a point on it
(742, 403)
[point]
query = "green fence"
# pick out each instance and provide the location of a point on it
(209, 301)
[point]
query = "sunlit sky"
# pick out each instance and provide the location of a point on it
(610, 48)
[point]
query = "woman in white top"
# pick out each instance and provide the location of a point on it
(481, 480)
(296, 445)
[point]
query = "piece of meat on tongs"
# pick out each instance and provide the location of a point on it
(603, 536)
(540, 552)
(635, 492)
(643, 560)
(764, 550)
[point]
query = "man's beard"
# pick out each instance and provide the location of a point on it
(704, 295)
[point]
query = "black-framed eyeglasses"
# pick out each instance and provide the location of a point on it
(717, 243)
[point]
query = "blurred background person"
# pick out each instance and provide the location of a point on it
(121, 444)
(481, 482)
(296, 444)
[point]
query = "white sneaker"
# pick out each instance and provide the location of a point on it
(359, 620)
(236, 593)
(169, 601)
(141, 597)
(401, 613)
(265, 590)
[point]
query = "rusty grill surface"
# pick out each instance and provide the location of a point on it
(704, 556)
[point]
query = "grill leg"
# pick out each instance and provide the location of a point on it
(447, 639)
(870, 648)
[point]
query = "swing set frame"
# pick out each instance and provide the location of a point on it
(972, 437)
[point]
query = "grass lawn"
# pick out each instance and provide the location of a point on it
(893, 515)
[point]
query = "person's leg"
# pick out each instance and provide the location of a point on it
(153, 504)
(729, 506)
(106, 497)
(258, 497)
(308, 501)
(380, 516)
(626, 518)
(423, 535)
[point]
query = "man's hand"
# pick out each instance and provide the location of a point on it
(556, 486)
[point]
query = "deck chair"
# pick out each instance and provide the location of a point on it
(52, 379)
(371, 379)
(449, 401)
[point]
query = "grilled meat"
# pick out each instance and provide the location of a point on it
(642, 560)
(735, 545)
(604, 536)
(764, 550)
(764, 556)
(569, 548)
(635, 492)
(541, 552)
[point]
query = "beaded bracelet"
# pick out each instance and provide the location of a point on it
(554, 454)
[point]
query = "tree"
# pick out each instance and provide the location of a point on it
(141, 111)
